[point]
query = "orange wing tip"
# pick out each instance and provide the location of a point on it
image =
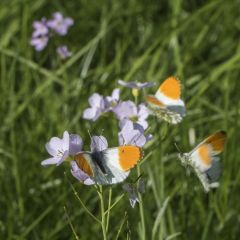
(204, 154)
(83, 164)
(217, 141)
(129, 156)
(171, 88)
(153, 100)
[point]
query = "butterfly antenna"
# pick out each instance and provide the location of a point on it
(179, 150)
(138, 178)
(91, 136)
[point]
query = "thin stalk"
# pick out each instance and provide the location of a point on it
(109, 207)
(143, 233)
(135, 93)
(103, 222)
(83, 205)
(70, 223)
(116, 202)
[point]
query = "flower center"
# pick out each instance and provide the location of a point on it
(113, 103)
(134, 118)
(60, 153)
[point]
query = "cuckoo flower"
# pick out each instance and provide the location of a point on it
(113, 100)
(132, 134)
(128, 110)
(63, 52)
(133, 190)
(75, 144)
(98, 106)
(98, 143)
(40, 28)
(136, 85)
(60, 24)
(60, 149)
(39, 42)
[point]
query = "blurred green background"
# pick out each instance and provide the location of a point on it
(41, 96)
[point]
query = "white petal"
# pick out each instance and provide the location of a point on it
(50, 161)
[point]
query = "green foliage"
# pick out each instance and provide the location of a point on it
(41, 96)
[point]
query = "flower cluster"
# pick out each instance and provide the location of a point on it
(132, 123)
(45, 29)
(132, 118)
(123, 110)
(65, 149)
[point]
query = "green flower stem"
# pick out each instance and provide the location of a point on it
(70, 223)
(103, 222)
(83, 205)
(143, 233)
(109, 207)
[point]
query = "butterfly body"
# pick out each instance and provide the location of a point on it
(166, 103)
(204, 160)
(111, 165)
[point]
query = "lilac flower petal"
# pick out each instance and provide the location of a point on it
(40, 28)
(75, 144)
(39, 43)
(127, 132)
(132, 134)
(53, 160)
(112, 101)
(60, 24)
(91, 114)
(95, 100)
(63, 52)
(143, 123)
(66, 139)
(58, 16)
(69, 22)
(138, 127)
(115, 94)
(138, 140)
(51, 149)
(98, 106)
(125, 109)
(143, 111)
(89, 181)
(98, 143)
(58, 148)
(59, 144)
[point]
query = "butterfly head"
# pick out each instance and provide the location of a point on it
(185, 158)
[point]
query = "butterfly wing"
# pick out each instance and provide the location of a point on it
(166, 104)
(119, 160)
(111, 165)
(205, 160)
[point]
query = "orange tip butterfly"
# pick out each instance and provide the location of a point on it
(205, 161)
(111, 165)
(166, 103)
